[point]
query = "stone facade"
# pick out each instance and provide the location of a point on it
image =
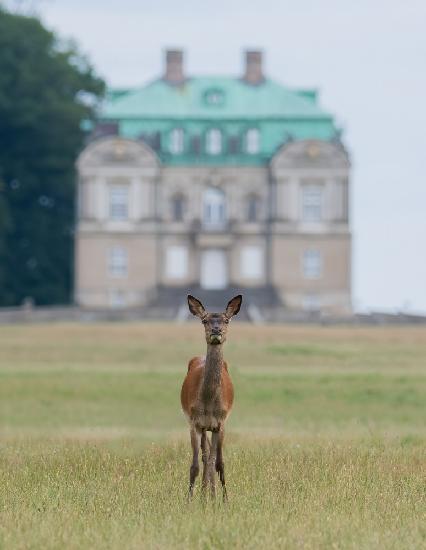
(281, 224)
(167, 236)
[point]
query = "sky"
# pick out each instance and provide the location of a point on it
(367, 58)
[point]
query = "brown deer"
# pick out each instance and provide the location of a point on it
(207, 395)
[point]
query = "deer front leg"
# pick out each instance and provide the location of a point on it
(211, 463)
(195, 468)
(205, 451)
(220, 466)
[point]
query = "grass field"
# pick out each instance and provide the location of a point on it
(325, 448)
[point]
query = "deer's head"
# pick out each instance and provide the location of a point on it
(215, 324)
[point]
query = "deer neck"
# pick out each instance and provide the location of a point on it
(212, 371)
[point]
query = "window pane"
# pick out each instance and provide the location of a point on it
(252, 262)
(119, 202)
(252, 141)
(117, 262)
(176, 141)
(214, 141)
(177, 262)
(312, 203)
(214, 207)
(312, 264)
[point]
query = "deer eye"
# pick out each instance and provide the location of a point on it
(204, 321)
(226, 321)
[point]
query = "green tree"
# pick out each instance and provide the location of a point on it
(47, 91)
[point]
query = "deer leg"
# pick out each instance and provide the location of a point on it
(212, 462)
(193, 471)
(205, 450)
(220, 466)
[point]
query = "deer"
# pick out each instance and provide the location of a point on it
(207, 396)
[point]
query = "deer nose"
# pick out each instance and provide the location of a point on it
(216, 331)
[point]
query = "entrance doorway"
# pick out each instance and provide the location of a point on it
(214, 269)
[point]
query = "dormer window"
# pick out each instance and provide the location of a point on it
(252, 141)
(214, 97)
(176, 141)
(214, 141)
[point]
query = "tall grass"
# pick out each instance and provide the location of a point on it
(326, 446)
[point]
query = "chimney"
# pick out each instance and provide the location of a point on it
(253, 73)
(174, 67)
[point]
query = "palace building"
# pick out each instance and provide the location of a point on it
(214, 184)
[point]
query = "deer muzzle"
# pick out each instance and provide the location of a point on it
(215, 338)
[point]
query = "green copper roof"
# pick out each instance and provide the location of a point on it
(190, 100)
(229, 104)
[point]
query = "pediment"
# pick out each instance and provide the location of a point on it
(117, 151)
(310, 154)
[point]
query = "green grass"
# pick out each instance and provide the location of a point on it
(325, 448)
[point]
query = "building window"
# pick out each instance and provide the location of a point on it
(252, 262)
(214, 141)
(176, 141)
(178, 208)
(312, 203)
(214, 203)
(312, 264)
(214, 97)
(195, 145)
(119, 202)
(252, 141)
(234, 145)
(253, 207)
(176, 262)
(311, 302)
(117, 262)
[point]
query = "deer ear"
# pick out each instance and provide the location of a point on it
(196, 307)
(233, 306)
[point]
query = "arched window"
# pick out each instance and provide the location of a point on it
(253, 208)
(214, 141)
(178, 208)
(176, 141)
(252, 141)
(214, 203)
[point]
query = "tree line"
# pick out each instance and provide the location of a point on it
(48, 92)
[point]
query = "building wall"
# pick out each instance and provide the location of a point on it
(96, 283)
(325, 167)
(160, 251)
(330, 288)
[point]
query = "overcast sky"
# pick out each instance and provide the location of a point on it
(368, 59)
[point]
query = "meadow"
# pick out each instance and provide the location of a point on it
(325, 448)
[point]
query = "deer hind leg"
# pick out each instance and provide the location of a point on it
(195, 468)
(220, 466)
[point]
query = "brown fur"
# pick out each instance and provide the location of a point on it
(207, 394)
